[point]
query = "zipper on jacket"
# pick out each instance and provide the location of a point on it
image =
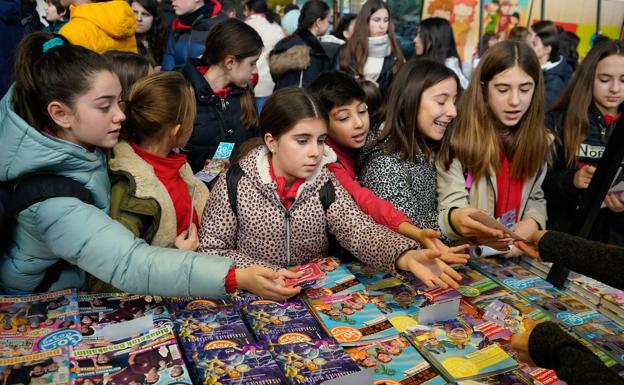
(288, 235)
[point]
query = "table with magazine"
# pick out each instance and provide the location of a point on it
(350, 325)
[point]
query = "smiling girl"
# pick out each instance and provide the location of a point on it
(494, 157)
(280, 218)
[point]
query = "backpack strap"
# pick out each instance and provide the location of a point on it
(327, 195)
(37, 188)
(232, 177)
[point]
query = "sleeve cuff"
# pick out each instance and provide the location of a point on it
(230, 281)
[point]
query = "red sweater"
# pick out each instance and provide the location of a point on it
(509, 190)
(167, 170)
(382, 211)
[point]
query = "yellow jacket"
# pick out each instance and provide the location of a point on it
(102, 27)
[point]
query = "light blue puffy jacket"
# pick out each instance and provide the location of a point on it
(84, 235)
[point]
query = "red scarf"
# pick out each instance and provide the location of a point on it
(509, 190)
(609, 119)
(287, 195)
(167, 170)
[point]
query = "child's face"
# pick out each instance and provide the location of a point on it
(378, 23)
(437, 109)
(298, 152)
(241, 71)
(608, 87)
(349, 124)
(95, 119)
(542, 51)
(183, 7)
(509, 95)
(144, 19)
(51, 13)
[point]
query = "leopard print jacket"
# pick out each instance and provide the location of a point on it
(265, 233)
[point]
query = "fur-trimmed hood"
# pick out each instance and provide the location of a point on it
(295, 58)
(145, 185)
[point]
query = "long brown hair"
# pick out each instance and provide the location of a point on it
(357, 45)
(474, 138)
(401, 132)
(576, 98)
(234, 37)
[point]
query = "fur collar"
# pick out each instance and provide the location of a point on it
(145, 185)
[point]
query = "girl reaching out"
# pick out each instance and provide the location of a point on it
(64, 108)
(494, 157)
(279, 218)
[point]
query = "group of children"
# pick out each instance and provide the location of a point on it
(397, 195)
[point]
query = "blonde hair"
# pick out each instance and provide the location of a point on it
(474, 138)
(157, 101)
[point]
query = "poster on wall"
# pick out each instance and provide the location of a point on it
(499, 17)
(464, 18)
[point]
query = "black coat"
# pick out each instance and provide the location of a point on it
(562, 197)
(555, 81)
(217, 120)
(12, 31)
(297, 60)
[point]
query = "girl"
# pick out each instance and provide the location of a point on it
(398, 163)
(299, 58)
(373, 51)
(150, 180)
(349, 123)
(434, 40)
(583, 121)
(65, 106)
(544, 39)
(494, 156)
(129, 68)
(151, 32)
(280, 218)
(261, 19)
(221, 80)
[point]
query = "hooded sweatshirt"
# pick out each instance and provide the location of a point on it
(102, 27)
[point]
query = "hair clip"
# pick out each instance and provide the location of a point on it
(54, 42)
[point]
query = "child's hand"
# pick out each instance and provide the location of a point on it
(287, 274)
(531, 249)
(427, 266)
(472, 229)
(583, 176)
(520, 342)
(190, 243)
(264, 282)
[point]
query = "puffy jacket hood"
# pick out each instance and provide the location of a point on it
(113, 17)
(26, 151)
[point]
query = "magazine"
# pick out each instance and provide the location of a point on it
(282, 322)
(312, 362)
(50, 367)
(176, 305)
(460, 350)
(395, 361)
(351, 318)
(49, 320)
(211, 328)
(249, 364)
(336, 279)
(153, 358)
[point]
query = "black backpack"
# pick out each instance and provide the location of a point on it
(18, 196)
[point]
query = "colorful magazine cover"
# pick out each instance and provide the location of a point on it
(152, 358)
(554, 302)
(312, 362)
(351, 318)
(461, 350)
(97, 311)
(337, 279)
(180, 304)
(395, 361)
(435, 294)
(510, 274)
(48, 320)
(367, 274)
(282, 322)
(50, 367)
(606, 334)
(249, 364)
(202, 329)
(514, 377)
(475, 286)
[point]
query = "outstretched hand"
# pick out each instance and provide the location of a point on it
(427, 266)
(264, 282)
